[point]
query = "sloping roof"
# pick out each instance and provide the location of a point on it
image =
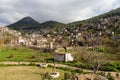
(62, 53)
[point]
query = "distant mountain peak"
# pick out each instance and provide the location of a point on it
(26, 22)
(27, 19)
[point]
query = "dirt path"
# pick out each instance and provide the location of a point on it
(57, 65)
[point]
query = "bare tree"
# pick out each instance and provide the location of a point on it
(95, 58)
(64, 43)
(39, 55)
(114, 45)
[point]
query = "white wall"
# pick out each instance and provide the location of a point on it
(68, 57)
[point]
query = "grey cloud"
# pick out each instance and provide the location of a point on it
(59, 10)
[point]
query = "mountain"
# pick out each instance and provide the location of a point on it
(28, 24)
(106, 23)
(110, 20)
(52, 24)
(115, 12)
(25, 23)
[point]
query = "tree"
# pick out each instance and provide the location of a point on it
(114, 45)
(40, 57)
(64, 43)
(69, 76)
(45, 76)
(39, 54)
(91, 55)
(95, 60)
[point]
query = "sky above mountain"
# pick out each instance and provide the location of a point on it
(57, 10)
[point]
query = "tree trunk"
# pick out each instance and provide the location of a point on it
(54, 66)
(65, 48)
(95, 69)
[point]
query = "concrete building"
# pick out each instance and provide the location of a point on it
(63, 57)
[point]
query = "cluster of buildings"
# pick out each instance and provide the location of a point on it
(16, 38)
(4, 32)
(93, 30)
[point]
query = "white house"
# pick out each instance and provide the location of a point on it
(21, 40)
(63, 57)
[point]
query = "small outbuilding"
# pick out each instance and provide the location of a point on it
(59, 56)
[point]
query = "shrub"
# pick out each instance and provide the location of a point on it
(45, 76)
(10, 56)
(95, 79)
(118, 67)
(78, 71)
(117, 75)
(101, 73)
(78, 64)
(67, 76)
(109, 76)
(70, 70)
(64, 68)
(33, 57)
(109, 68)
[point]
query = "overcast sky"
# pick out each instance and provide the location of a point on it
(58, 10)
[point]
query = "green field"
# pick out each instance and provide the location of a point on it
(25, 54)
(25, 73)
(16, 54)
(20, 54)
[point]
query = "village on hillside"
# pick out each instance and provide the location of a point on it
(59, 39)
(84, 44)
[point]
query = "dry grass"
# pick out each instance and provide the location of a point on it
(24, 73)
